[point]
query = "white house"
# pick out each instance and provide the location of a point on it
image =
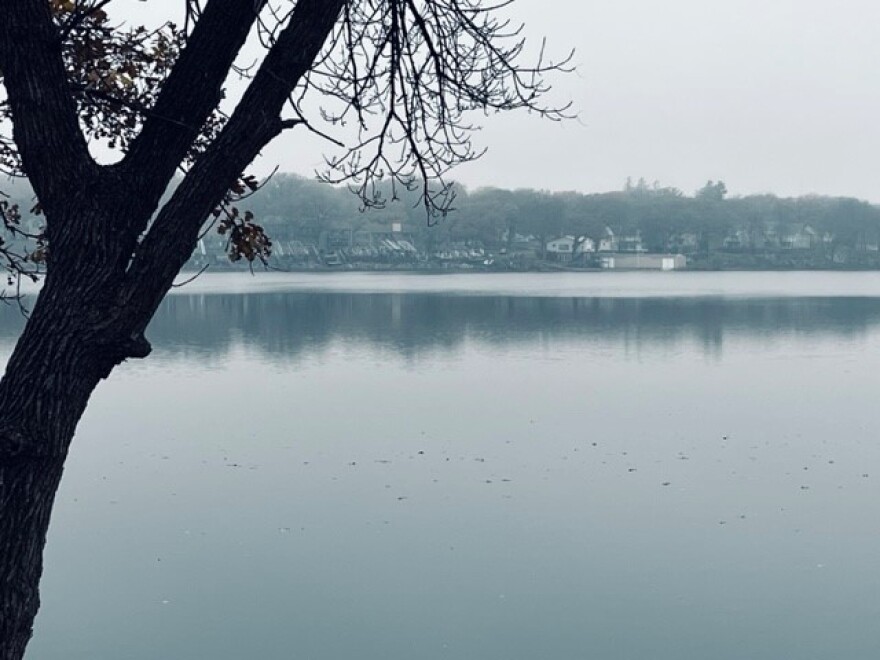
(563, 248)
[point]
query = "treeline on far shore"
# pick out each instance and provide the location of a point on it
(516, 227)
(316, 225)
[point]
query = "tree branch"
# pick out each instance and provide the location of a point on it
(255, 122)
(49, 140)
(191, 93)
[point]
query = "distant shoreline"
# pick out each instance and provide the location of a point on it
(439, 270)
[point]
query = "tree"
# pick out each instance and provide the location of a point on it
(712, 192)
(400, 79)
(540, 214)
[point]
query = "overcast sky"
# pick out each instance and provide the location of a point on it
(767, 95)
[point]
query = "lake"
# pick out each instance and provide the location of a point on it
(608, 466)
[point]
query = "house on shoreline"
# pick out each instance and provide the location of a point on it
(569, 248)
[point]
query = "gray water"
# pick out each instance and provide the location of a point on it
(480, 467)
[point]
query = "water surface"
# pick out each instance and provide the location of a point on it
(500, 468)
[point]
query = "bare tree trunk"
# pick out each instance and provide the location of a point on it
(27, 493)
(56, 365)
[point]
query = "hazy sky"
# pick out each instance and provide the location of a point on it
(768, 95)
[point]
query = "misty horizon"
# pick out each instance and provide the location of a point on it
(774, 98)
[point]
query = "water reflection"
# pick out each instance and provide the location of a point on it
(413, 324)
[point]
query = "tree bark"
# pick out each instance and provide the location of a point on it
(27, 491)
(104, 283)
(60, 358)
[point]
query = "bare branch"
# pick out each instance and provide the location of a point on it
(47, 136)
(192, 91)
(409, 74)
(255, 122)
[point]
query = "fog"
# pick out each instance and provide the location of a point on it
(775, 96)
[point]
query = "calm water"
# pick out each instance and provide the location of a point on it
(663, 467)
